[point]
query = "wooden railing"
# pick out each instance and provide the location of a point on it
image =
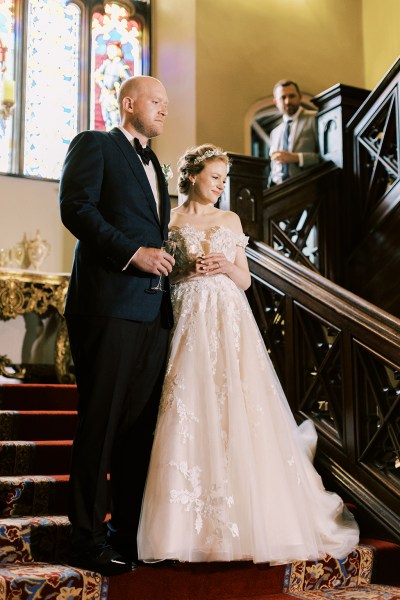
(338, 359)
(373, 195)
(301, 218)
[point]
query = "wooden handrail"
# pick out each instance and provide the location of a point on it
(365, 315)
(280, 192)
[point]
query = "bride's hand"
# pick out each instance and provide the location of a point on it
(191, 270)
(213, 263)
(198, 267)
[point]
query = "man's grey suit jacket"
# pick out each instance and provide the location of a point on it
(305, 141)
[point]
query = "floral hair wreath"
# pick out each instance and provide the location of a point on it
(208, 154)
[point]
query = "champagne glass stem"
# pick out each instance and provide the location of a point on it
(168, 246)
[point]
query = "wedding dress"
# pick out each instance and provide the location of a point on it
(231, 474)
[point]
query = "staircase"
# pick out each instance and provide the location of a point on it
(36, 428)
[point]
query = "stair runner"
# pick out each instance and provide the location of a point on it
(34, 530)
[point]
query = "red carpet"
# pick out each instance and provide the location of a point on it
(222, 581)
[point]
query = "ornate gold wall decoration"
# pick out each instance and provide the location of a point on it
(23, 292)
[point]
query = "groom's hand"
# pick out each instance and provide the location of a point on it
(153, 260)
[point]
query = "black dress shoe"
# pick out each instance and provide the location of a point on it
(102, 559)
(123, 546)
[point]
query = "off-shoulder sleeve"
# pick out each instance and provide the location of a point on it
(242, 240)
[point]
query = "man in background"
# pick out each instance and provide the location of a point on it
(294, 142)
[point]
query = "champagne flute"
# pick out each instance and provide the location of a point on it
(170, 247)
(205, 246)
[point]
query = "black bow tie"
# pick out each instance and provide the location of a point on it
(144, 153)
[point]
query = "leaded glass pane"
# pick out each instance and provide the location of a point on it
(7, 50)
(116, 55)
(52, 85)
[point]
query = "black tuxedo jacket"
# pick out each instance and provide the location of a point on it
(107, 203)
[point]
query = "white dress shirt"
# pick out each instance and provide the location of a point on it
(151, 176)
(150, 172)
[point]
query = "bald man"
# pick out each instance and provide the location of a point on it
(114, 200)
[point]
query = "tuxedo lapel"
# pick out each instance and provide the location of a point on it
(136, 165)
(163, 191)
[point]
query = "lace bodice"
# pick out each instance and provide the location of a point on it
(192, 242)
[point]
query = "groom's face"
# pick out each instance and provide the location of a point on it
(150, 108)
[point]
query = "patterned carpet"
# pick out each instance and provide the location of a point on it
(330, 573)
(366, 592)
(47, 582)
(333, 579)
(33, 539)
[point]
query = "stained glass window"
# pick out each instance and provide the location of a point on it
(52, 85)
(7, 92)
(67, 59)
(116, 55)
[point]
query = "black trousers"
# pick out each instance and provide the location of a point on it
(119, 367)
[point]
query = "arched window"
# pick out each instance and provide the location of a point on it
(61, 65)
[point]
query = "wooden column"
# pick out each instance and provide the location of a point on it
(244, 192)
(336, 106)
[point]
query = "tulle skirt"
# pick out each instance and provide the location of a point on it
(231, 474)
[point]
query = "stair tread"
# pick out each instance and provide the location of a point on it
(18, 478)
(20, 521)
(228, 581)
(40, 412)
(35, 442)
(38, 565)
(39, 395)
(38, 424)
(33, 494)
(54, 580)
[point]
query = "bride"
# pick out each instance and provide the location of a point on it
(231, 474)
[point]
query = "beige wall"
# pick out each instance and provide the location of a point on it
(381, 29)
(174, 63)
(243, 48)
(28, 205)
(217, 58)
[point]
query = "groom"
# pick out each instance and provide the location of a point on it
(114, 200)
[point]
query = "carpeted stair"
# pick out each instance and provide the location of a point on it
(36, 427)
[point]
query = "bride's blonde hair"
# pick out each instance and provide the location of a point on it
(193, 161)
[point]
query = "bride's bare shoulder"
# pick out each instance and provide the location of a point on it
(175, 216)
(231, 220)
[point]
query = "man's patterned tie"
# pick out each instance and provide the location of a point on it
(286, 135)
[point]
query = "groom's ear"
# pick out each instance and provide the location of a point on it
(128, 104)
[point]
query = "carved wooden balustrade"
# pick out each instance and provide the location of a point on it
(374, 195)
(338, 359)
(301, 219)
